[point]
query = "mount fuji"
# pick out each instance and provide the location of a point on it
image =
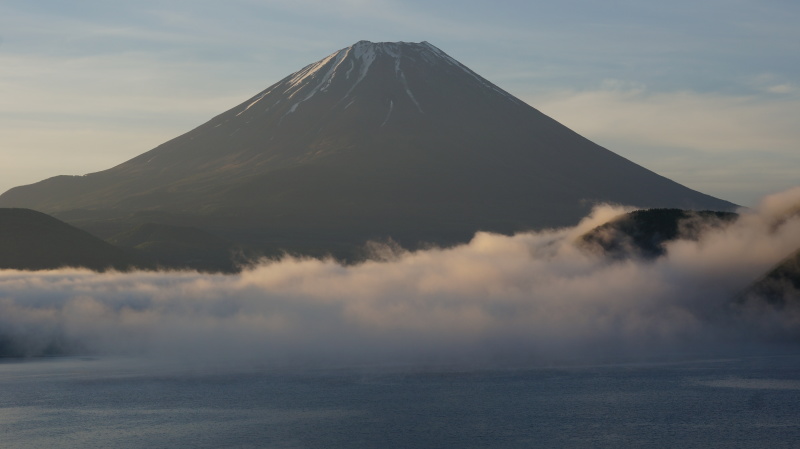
(375, 141)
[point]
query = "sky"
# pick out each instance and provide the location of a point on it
(705, 92)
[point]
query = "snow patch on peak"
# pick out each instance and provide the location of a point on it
(306, 72)
(314, 69)
(368, 50)
(296, 83)
(365, 52)
(349, 66)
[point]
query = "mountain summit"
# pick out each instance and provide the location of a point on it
(376, 140)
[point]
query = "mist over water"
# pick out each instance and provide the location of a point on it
(528, 298)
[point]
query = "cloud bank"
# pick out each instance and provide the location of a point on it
(532, 297)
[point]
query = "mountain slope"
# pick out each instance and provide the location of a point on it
(779, 287)
(179, 247)
(643, 233)
(377, 140)
(32, 240)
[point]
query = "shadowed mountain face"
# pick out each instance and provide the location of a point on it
(643, 233)
(31, 240)
(377, 140)
(780, 286)
(180, 247)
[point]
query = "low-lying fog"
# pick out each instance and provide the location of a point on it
(532, 297)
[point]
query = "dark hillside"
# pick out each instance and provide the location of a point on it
(780, 286)
(643, 233)
(31, 240)
(181, 247)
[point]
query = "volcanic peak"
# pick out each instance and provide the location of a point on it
(375, 140)
(350, 66)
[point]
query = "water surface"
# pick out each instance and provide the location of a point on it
(129, 403)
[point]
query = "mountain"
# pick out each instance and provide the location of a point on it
(375, 141)
(180, 247)
(779, 287)
(31, 240)
(643, 233)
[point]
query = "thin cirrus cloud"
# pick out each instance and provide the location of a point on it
(684, 119)
(528, 298)
(75, 115)
(713, 142)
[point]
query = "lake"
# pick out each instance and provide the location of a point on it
(742, 402)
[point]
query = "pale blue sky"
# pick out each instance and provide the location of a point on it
(704, 92)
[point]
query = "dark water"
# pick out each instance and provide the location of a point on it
(67, 403)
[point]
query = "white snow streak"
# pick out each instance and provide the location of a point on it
(388, 114)
(296, 83)
(308, 71)
(365, 51)
(260, 97)
(398, 73)
(408, 92)
(360, 58)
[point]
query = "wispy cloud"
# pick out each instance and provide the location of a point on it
(684, 119)
(74, 115)
(720, 144)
